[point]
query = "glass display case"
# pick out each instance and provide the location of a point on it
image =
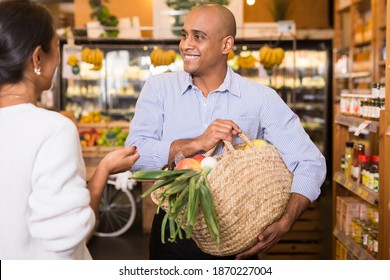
(114, 88)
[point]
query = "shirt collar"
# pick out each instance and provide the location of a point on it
(229, 85)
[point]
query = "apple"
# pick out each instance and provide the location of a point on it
(189, 163)
(199, 158)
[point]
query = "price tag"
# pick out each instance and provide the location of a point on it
(388, 131)
(362, 126)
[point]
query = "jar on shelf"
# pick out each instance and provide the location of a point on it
(382, 91)
(376, 90)
(375, 246)
(348, 158)
(374, 173)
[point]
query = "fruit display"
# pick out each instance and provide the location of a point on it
(94, 117)
(93, 56)
(112, 137)
(271, 57)
(158, 57)
(246, 60)
(107, 137)
(88, 137)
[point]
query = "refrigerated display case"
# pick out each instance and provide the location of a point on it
(112, 90)
(303, 80)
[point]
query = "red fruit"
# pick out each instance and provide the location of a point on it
(199, 158)
(189, 163)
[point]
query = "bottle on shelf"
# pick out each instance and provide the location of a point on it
(348, 158)
(355, 172)
(364, 164)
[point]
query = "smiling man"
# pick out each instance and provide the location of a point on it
(191, 111)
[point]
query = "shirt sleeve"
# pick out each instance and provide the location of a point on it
(283, 129)
(146, 130)
(60, 214)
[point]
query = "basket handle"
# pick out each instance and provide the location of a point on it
(229, 146)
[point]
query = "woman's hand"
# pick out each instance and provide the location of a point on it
(119, 160)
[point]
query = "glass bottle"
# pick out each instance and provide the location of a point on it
(358, 150)
(348, 158)
(363, 164)
(375, 173)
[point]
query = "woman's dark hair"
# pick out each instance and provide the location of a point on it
(24, 25)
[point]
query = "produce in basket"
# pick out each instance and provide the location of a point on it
(246, 191)
(181, 193)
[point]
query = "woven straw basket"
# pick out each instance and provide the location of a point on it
(250, 190)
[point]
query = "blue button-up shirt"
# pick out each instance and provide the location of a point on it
(171, 107)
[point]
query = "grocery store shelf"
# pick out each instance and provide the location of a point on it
(356, 122)
(352, 246)
(358, 189)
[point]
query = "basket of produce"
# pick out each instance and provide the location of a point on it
(226, 201)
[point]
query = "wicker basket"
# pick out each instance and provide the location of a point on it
(250, 190)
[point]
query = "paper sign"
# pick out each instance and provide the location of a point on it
(71, 59)
(362, 126)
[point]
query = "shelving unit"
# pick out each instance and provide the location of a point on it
(360, 27)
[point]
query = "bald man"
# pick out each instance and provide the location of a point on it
(189, 112)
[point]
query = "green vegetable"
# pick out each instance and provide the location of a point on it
(185, 193)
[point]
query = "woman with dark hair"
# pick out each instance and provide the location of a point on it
(46, 210)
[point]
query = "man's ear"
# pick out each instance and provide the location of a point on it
(228, 44)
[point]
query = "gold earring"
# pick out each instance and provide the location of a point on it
(37, 70)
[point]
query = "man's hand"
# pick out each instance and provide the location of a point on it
(218, 130)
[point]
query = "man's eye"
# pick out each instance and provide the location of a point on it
(198, 37)
(183, 35)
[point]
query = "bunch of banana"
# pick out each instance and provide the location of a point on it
(73, 61)
(93, 56)
(271, 57)
(246, 60)
(159, 57)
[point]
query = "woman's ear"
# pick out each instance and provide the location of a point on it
(36, 57)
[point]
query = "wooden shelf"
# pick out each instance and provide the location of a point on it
(356, 122)
(360, 190)
(359, 252)
(347, 16)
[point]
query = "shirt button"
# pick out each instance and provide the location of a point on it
(204, 104)
(205, 125)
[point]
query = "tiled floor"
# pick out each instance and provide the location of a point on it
(132, 245)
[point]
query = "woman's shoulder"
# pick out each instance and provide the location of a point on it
(54, 119)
